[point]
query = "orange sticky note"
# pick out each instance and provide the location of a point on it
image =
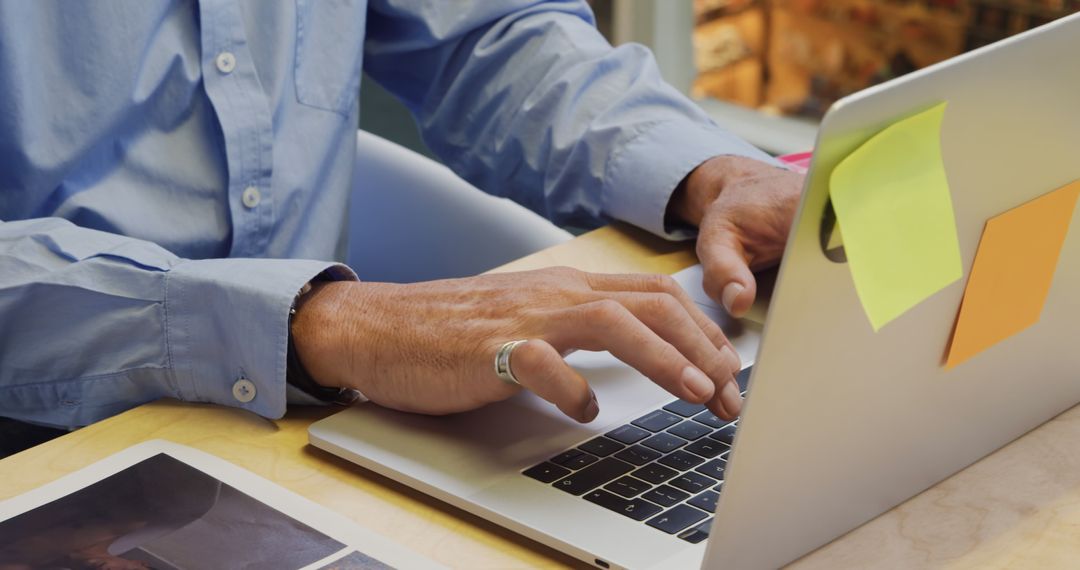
(1013, 270)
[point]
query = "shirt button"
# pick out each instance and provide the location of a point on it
(226, 62)
(243, 390)
(251, 197)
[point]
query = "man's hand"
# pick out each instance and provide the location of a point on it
(744, 209)
(430, 347)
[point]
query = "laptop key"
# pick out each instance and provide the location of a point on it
(601, 446)
(684, 409)
(628, 434)
(707, 448)
(627, 487)
(638, 455)
(580, 461)
(545, 472)
(573, 459)
(655, 473)
(725, 434)
(593, 476)
(676, 518)
(714, 468)
(636, 509)
(698, 533)
(692, 482)
(718, 487)
(705, 501)
(565, 456)
(658, 420)
(665, 495)
(681, 460)
(664, 442)
(710, 419)
(689, 430)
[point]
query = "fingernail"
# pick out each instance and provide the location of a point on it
(592, 410)
(697, 383)
(729, 395)
(732, 358)
(731, 292)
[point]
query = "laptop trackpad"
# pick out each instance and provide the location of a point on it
(472, 450)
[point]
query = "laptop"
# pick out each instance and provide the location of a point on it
(840, 423)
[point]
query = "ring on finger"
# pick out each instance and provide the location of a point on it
(502, 362)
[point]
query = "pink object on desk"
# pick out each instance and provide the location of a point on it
(799, 161)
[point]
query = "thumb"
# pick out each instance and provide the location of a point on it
(726, 265)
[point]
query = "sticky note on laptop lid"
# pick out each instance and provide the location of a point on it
(1014, 268)
(895, 214)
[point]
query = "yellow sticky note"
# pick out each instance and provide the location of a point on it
(1013, 270)
(895, 214)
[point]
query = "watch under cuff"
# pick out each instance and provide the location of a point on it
(298, 376)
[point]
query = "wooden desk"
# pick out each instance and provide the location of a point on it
(1019, 507)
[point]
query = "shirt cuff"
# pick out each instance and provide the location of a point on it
(227, 327)
(643, 174)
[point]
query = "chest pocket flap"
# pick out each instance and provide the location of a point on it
(329, 53)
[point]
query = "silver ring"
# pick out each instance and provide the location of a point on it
(502, 362)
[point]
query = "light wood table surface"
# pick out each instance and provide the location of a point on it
(1018, 508)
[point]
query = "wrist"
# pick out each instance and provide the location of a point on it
(706, 183)
(314, 333)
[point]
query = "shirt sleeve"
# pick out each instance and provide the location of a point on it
(525, 99)
(93, 323)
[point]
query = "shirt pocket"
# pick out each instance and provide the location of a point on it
(329, 53)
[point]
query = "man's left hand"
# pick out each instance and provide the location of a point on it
(744, 209)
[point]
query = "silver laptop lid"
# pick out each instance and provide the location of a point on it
(843, 423)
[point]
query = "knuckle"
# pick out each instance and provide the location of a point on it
(669, 355)
(669, 304)
(653, 304)
(663, 308)
(537, 314)
(605, 310)
(715, 333)
(568, 272)
(666, 284)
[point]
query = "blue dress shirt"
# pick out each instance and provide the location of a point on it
(172, 172)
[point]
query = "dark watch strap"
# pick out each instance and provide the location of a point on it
(298, 376)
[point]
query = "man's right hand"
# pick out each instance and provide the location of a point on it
(430, 347)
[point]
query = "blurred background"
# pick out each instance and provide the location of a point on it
(769, 69)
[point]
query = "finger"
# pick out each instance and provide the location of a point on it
(653, 283)
(667, 318)
(541, 370)
(727, 267)
(608, 325)
(730, 404)
(726, 401)
(670, 320)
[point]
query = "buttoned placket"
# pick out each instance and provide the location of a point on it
(243, 112)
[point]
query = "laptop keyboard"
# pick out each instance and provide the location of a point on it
(664, 469)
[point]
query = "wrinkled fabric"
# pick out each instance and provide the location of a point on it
(172, 172)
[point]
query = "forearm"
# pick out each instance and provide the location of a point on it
(530, 102)
(93, 323)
